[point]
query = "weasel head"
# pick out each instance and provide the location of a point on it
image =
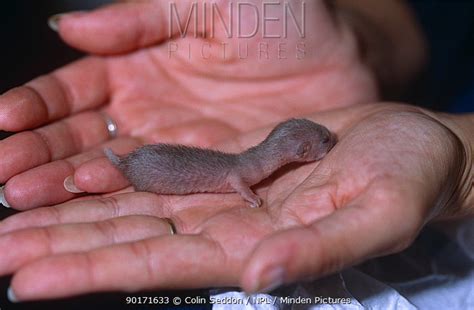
(302, 140)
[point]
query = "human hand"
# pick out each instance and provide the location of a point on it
(157, 97)
(394, 169)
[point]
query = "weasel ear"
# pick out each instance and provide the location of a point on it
(303, 149)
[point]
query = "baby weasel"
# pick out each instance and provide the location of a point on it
(179, 169)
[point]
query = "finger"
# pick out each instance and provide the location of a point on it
(27, 245)
(188, 213)
(44, 185)
(59, 140)
(121, 27)
(168, 262)
(99, 209)
(99, 176)
(346, 237)
(76, 87)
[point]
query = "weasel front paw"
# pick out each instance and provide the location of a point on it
(256, 203)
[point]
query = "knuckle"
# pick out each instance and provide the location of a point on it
(111, 203)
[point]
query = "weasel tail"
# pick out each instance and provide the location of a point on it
(112, 157)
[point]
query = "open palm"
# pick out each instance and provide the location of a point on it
(154, 96)
(368, 197)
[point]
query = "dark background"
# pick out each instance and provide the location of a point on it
(29, 48)
(448, 81)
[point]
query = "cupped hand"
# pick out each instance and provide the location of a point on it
(155, 94)
(394, 169)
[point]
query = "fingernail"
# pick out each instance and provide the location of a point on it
(70, 186)
(11, 295)
(53, 21)
(3, 200)
(270, 280)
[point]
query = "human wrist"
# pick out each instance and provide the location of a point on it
(462, 202)
(389, 39)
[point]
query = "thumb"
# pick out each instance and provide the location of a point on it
(123, 27)
(346, 237)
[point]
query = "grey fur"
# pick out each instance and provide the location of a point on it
(178, 169)
(112, 157)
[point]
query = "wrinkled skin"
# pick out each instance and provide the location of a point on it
(368, 197)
